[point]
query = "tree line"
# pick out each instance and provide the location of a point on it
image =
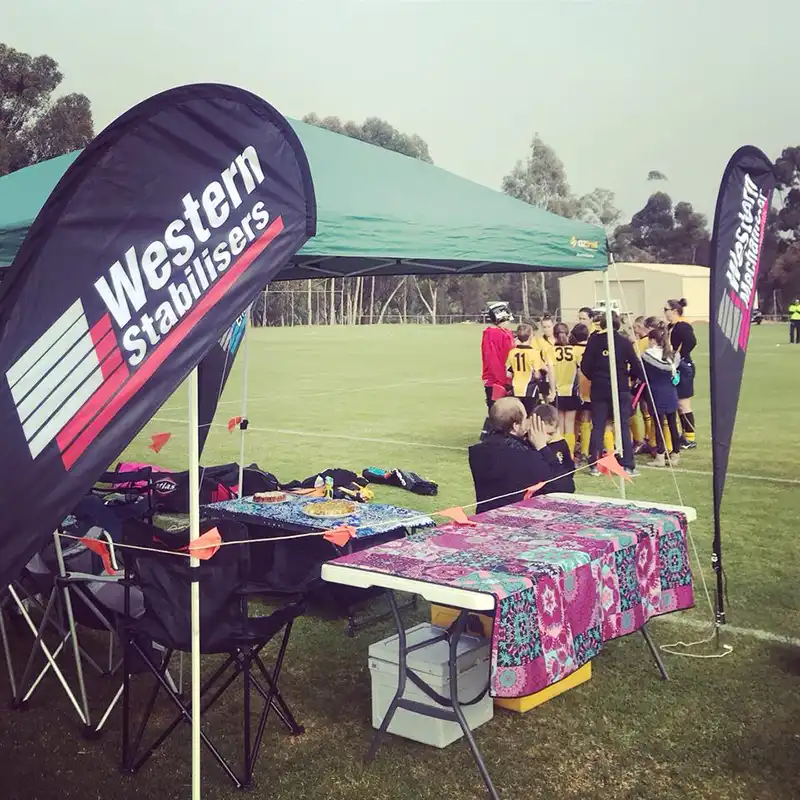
(35, 125)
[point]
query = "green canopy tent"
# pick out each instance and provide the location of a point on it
(379, 213)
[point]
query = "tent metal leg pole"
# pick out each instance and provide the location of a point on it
(612, 364)
(194, 533)
(11, 677)
(47, 653)
(243, 424)
(76, 650)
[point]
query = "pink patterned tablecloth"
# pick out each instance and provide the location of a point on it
(566, 577)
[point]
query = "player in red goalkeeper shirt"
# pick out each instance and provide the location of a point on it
(496, 344)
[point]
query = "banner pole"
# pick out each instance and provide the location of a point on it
(194, 533)
(612, 367)
(243, 423)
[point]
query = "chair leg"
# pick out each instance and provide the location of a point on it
(281, 707)
(248, 755)
(38, 637)
(185, 713)
(10, 666)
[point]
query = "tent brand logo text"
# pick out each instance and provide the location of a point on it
(171, 274)
(585, 244)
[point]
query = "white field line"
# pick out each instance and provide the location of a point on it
(753, 633)
(767, 478)
(434, 446)
(307, 434)
(332, 392)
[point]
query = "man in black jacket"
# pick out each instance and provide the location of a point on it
(511, 458)
(596, 366)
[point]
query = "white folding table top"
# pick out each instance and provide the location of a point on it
(450, 595)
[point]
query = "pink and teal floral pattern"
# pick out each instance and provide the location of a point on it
(566, 576)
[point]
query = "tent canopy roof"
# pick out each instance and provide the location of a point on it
(379, 213)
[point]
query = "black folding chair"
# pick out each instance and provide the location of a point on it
(225, 628)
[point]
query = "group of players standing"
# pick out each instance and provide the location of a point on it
(549, 363)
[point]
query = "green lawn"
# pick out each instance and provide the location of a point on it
(410, 397)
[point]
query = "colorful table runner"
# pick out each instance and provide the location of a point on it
(371, 519)
(566, 577)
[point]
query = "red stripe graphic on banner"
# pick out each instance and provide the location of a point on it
(168, 346)
(100, 328)
(87, 412)
(109, 366)
(102, 349)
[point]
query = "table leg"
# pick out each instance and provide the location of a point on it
(455, 635)
(654, 652)
(455, 714)
(402, 677)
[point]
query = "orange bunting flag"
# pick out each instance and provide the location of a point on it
(608, 465)
(233, 422)
(340, 536)
(159, 440)
(531, 491)
(101, 549)
(457, 515)
(206, 545)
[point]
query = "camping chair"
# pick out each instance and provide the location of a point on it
(78, 589)
(225, 629)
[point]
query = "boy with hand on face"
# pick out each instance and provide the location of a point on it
(560, 456)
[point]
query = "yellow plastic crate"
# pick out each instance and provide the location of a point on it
(443, 617)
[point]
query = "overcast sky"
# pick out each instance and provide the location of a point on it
(618, 87)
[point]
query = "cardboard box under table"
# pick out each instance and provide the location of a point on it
(560, 574)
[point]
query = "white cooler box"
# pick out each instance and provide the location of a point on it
(431, 664)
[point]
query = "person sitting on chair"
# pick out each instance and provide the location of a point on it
(512, 457)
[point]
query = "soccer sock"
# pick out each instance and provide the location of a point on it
(667, 436)
(687, 423)
(585, 428)
(570, 439)
(637, 427)
(608, 440)
(650, 431)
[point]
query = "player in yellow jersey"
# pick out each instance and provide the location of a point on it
(526, 369)
(565, 373)
(544, 342)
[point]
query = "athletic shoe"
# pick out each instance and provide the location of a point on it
(660, 460)
(687, 445)
(632, 473)
(639, 448)
(674, 459)
(594, 472)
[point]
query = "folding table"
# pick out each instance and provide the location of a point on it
(564, 543)
(293, 565)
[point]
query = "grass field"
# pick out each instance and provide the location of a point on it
(409, 397)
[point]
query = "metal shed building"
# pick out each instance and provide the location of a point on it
(641, 289)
